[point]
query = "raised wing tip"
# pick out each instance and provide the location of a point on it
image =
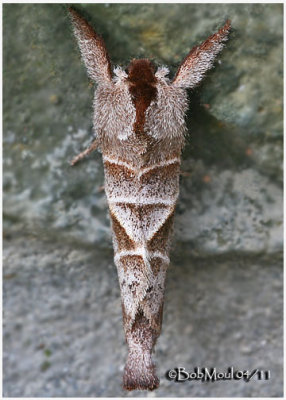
(72, 11)
(75, 15)
(226, 28)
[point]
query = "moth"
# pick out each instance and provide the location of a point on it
(139, 120)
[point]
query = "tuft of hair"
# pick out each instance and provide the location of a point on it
(141, 70)
(141, 75)
(140, 374)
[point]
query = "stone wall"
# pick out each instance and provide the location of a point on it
(230, 204)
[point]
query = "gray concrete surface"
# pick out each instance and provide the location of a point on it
(62, 318)
(63, 332)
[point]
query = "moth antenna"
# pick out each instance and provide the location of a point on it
(92, 48)
(200, 59)
(84, 153)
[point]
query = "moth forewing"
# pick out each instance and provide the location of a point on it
(92, 48)
(140, 127)
(201, 58)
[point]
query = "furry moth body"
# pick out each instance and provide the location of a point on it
(140, 127)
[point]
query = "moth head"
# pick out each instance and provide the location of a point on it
(142, 82)
(141, 71)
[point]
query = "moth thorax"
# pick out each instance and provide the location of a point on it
(141, 76)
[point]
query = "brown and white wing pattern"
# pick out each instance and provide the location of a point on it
(140, 126)
(92, 48)
(201, 58)
(142, 217)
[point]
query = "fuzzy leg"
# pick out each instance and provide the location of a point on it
(84, 153)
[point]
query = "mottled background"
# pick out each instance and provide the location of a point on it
(63, 331)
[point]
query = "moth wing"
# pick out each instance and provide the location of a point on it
(200, 59)
(92, 48)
